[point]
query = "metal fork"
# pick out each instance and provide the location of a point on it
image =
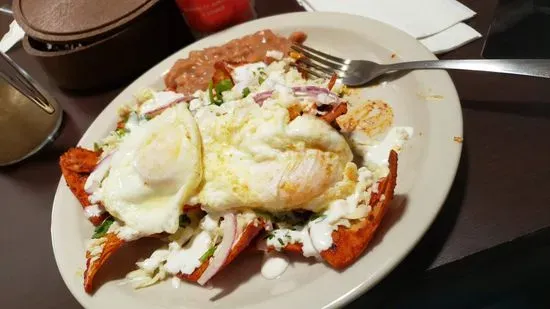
(360, 72)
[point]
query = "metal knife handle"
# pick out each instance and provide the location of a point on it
(529, 67)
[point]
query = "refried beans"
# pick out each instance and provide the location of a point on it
(195, 72)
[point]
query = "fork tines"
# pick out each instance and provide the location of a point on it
(318, 63)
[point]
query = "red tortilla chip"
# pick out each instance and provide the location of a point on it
(250, 232)
(76, 165)
(349, 243)
(294, 248)
(79, 160)
(111, 245)
(335, 112)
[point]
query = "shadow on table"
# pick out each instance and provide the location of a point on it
(527, 109)
(511, 275)
(426, 251)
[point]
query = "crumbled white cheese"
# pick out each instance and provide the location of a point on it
(94, 210)
(275, 54)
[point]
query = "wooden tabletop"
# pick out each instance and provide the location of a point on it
(500, 193)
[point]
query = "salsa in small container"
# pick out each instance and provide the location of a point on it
(208, 16)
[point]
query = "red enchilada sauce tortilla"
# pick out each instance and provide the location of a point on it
(195, 72)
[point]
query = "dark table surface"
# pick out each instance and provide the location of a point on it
(501, 191)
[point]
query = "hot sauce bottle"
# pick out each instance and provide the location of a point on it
(208, 16)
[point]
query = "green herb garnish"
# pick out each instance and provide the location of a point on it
(269, 236)
(97, 148)
(261, 79)
(211, 95)
(246, 92)
(219, 88)
(121, 132)
(281, 241)
(184, 220)
(102, 229)
(223, 85)
(208, 254)
(262, 76)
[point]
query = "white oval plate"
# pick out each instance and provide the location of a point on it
(425, 100)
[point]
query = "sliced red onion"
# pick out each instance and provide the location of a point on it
(239, 231)
(314, 91)
(310, 91)
(169, 104)
(97, 175)
(259, 98)
(223, 250)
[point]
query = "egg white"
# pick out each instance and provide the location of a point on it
(155, 170)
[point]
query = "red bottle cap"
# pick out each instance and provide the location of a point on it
(211, 16)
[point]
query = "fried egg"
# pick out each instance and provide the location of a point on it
(155, 170)
(256, 157)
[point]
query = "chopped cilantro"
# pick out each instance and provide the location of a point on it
(269, 236)
(208, 254)
(246, 92)
(102, 229)
(213, 98)
(281, 241)
(184, 220)
(97, 148)
(215, 92)
(223, 85)
(121, 132)
(262, 76)
(261, 79)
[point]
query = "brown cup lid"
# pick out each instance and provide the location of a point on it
(76, 20)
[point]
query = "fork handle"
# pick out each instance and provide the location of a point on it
(529, 67)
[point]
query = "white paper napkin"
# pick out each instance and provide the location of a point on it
(14, 35)
(450, 38)
(436, 23)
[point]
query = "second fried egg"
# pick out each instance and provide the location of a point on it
(256, 157)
